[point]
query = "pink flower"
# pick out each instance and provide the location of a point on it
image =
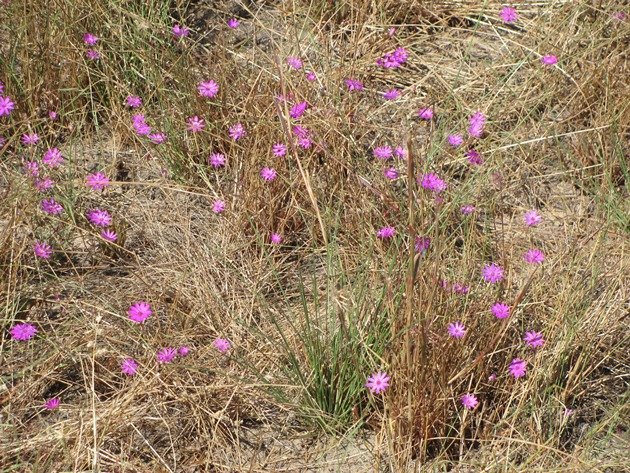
(461, 289)
(129, 366)
(432, 182)
(30, 139)
(391, 173)
(474, 157)
(310, 76)
(44, 184)
(275, 238)
(196, 124)
(52, 403)
(549, 60)
(467, 209)
(97, 181)
(42, 250)
(90, 39)
(492, 273)
(476, 123)
(6, 106)
(400, 152)
(157, 138)
(456, 330)
(500, 310)
(100, 218)
(532, 218)
(109, 235)
(469, 401)
(534, 256)
(298, 110)
(218, 206)
(237, 131)
(354, 85)
(233, 23)
(139, 312)
(208, 89)
(618, 15)
(534, 339)
(217, 160)
(52, 115)
(51, 206)
(268, 174)
(492, 377)
(386, 233)
(304, 143)
(23, 331)
(166, 355)
(92, 54)
(455, 140)
(222, 344)
(180, 31)
(518, 368)
(508, 15)
(425, 113)
(378, 382)
(279, 149)
(422, 244)
(52, 158)
(300, 131)
(183, 351)
(133, 101)
(391, 94)
(393, 60)
(382, 152)
(294, 62)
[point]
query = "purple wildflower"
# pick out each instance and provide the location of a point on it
(469, 401)
(52, 403)
(500, 310)
(275, 238)
(456, 330)
(378, 382)
(382, 152)
(518, 368)
(237, 131)
(354, 85)
(476, 123)
(425, 113)
(133, 101)
(23, 331)
(196, 124)
(44, 184)
(166, 355)
(93, 54)
(532, 218)
(310, 76)
(183, 351)
(298, 110)
(30, 139)
(218, 206)
(51, 206)
(508, 15)
(52, 115)
(42, 250)
(492, 273)
(534, 339)
(468, 209)
(534, 256)
(6, 106)
(222, 344)
(97, 181)
(461, 289)
(217, 160)
(279, 149)
(139, 312)
(90, 39)
(100, 218)
(422, 244)
(393, 60)
(208, 89)
(400, 152)
(157, 138)
(474, 157)
(432, 182)
(233, 23)
(109, 235)
(455, 140)
(52, 158)
(549, 60)
(386, 233)
(294, 62)
(392, 94)
(180, 31)
(268, 174)
(129, 366)
(391, 173)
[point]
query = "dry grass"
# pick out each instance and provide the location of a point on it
(310, 319)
